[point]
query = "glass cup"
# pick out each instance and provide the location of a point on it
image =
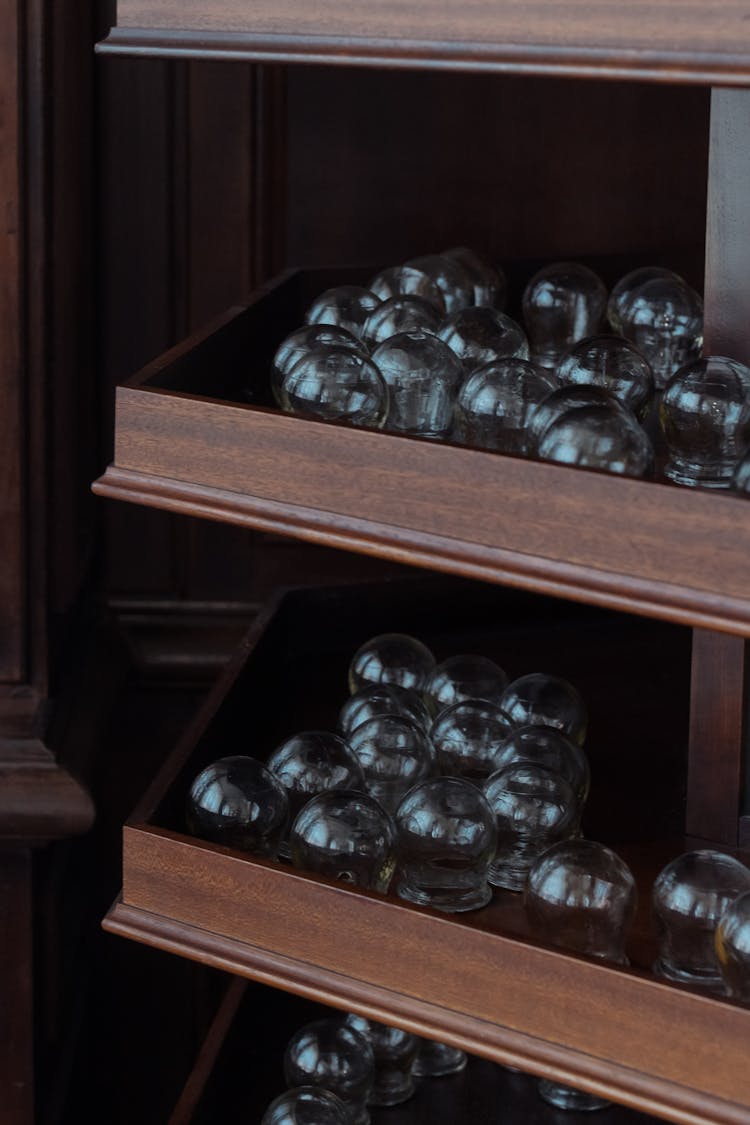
(309, 763)
(346, 306)
(391, 658)
(330, 1054)
(401, 314)
(238, 803)
(490, 285)
(606, 437)
(663, 317)
(438, 1060)
(478, 336)
(558, 403)
(467, 737)
(562, 304)
(462, 678)
(299, 343)
(307, 1105)
(533, 808)
(538, 699)
(626, 286)
(690, 896)
(395, 1051)
(732, 947)
(334, 384)
(496, 403)
(383, 699)
(552, 750)
(615, 365)
(446, 842)
(394, 754)
(451, 278)
(405, 281)
(423, 376)
(346, 836)
(705, 416)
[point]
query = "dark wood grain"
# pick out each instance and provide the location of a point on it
(12, 511)
(16, 997)
(671, 40)
(717, 720)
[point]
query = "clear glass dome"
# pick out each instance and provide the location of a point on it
(404, 281)
(541, 700)
(581, 896)
(615, 365)
(346, 306)
(732, 946)
(533, 808)
(478, 336)
(347, 836)
(312, 762)
(558, 403)
(705, 416)
(620, 295)
(446, 842)
(335, 384)
(299, 343)
(307, 1105)
(462, 678)
(238, 803)
(490, 285)
(383, 699)
(562, 304)
(395, 1051)
(495, 405)
(603, 437)
(332, 1055)
(437, 1060)
(451, 278)
(401, 314)
(663, 317)
(467, 737)
(565, 1097)
(391, 658)
(394, 754)
(690, 895)
(423, 377)
(552, 750)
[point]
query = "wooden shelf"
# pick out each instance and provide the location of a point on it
(188, 441)
(242, 1043)
(473, 980)
(672, 40)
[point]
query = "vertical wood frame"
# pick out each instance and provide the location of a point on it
(717, 735)
(12, 556)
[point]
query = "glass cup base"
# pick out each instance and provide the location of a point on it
(452, 900)
(565, 1097)
(509, 878)
(437, 1060)
(393, 1092)
(680, 472)
(709, 982)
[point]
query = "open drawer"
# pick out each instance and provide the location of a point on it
(188, 440)
(473, 980)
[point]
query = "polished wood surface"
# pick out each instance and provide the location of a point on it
(185, 438)
(672, 40)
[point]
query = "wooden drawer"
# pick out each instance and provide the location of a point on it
(188, 441)
(472, 980)
(239, 1070)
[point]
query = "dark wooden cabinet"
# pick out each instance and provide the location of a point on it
(153, 188)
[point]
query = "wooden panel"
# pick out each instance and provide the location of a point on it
(673, 39)
(716, 737)
(16, 1003)
(13, 554)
